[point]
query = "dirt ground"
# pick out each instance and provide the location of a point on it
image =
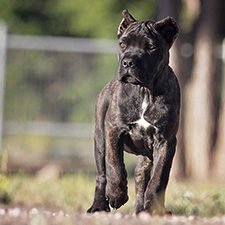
(36, 216)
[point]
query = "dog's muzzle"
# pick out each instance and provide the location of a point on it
(129, 70)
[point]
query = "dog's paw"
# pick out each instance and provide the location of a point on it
(139, 206)
(117, 197)
(116, 202)
(99, 206)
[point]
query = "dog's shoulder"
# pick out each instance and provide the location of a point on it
(108, 90)
(105, 96)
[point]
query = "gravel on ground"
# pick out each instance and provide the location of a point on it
(35, 216)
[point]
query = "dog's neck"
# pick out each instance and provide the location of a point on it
(159, 81)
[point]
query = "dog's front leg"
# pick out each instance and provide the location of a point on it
(116, 175)
(100, 202)
(155, 191)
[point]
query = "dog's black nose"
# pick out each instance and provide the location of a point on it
(127, 62)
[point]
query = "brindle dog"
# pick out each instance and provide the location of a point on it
(138, 112)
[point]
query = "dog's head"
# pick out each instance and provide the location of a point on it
(144, 48)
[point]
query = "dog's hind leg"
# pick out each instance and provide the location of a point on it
(142, 176)
(155, 191)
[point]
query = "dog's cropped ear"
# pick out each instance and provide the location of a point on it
(168, 29)
(126, 21)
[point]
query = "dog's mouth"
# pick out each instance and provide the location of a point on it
(130, 79)
(132, 75)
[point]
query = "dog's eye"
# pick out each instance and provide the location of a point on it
(151, 47)
(122, 45)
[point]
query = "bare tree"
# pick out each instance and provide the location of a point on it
(200, 114)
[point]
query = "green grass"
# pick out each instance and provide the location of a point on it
(75, 193)
(196, 198)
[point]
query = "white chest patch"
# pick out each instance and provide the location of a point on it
(142, 122)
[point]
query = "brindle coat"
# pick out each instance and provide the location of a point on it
(138, 112)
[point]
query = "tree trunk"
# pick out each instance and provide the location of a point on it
(200, 115)
(171, 8)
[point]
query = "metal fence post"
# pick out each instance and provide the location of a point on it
(3, 46)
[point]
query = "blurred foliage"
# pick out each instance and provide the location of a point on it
(91, 18)
(201, 199)
(5, 197)
(61, 87)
